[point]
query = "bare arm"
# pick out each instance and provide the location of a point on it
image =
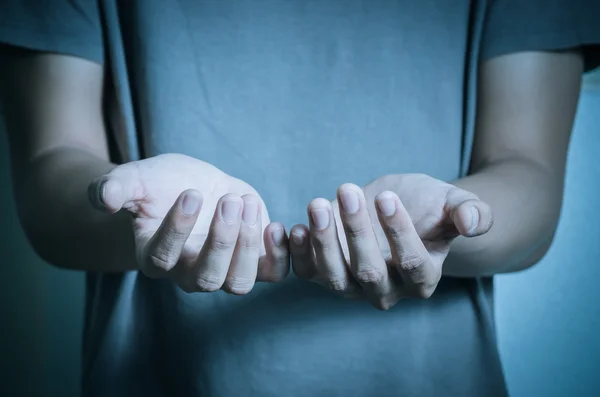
(52, 106)
(526, 109)
(527, 104)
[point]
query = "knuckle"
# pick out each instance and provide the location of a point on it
(336, 282)
(208, 283)
(173, 233)
(455, 193)
(219, 244)
(412, 262)
(238, 285)
(324, 244)
(394, 231)
(160, 261)
(354, 233)
(369, 275)
(248, 241)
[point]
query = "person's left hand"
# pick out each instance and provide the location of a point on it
(388, 241)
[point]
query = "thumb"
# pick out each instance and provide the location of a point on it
(112, 192)
(471, 216)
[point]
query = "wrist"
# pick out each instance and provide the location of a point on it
(60, 222)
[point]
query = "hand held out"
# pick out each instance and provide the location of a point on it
(194, 224)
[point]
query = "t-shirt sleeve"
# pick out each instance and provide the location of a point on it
(70, 27)
(542, 25)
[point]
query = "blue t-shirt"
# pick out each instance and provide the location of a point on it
(294, 97)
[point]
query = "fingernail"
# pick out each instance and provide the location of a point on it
(277, 236)
(101, 190)
(190, 204)
(349, 201)
(298, 239)
(474, 219)
(230, 210)
(386, 204)
(320, 218)
(250, 213)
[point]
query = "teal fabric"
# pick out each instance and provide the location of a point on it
(295, 98)
(304, 96)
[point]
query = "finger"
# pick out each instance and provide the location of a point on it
(274, 265)
(367, 263)
(303, 260)
(116, 190)
(331, 267)
(244, 262)
(215, 256)
(161, 253)
(471, 216)
(418, 271)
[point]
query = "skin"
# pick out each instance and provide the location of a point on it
(209, 239)
(163, 216)
(407, 232)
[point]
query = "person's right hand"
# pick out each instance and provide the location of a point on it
(194, 224)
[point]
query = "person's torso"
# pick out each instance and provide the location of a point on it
(294, 97)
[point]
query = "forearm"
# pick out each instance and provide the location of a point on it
(525, 199)
(62, 226)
